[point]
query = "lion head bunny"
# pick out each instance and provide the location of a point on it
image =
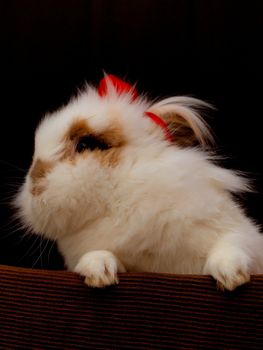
(124, 184)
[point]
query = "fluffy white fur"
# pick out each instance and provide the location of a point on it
(162, 208)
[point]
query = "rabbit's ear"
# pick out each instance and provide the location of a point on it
(110, 84)
(183, 120)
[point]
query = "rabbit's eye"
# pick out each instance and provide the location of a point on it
(91, 143)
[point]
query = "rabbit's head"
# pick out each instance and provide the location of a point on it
(85, 151)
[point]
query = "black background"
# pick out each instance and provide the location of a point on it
(208, 49)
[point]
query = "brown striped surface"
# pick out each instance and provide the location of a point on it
(53, 309)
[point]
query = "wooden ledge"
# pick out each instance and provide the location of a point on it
(43, 309)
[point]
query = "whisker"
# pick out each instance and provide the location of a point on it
(12, 185)
(50, 249)
(12, 165)
(41, 253)
(12, 226)
(10, 191)
(30, 249)
(7, 200)
(14, 180)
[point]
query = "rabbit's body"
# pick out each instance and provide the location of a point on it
(117, 195)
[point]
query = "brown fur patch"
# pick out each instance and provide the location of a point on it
(38, 172)
(184, 135)
(78, 129)
(110, 157)
(112, 137)
(40, 169)
(36, 190)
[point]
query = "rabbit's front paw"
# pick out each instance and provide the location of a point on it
(99, 268)
(230, 269)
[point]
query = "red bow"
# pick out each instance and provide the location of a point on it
(122, 87)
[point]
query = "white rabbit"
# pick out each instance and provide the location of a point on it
(123, 184)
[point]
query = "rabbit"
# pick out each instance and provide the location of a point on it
(125, 184)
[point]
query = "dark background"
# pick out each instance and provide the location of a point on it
(208, 49)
